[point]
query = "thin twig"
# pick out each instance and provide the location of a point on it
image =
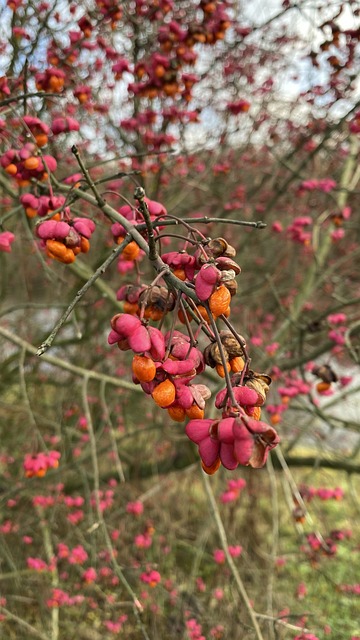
(100, 200)
(50, 555)
(99, 271)
(22, 623)
(139, 194)
(222, 534)
(229, 386)
(24, 96)
(283, 623)
(67, 366)
(107, 418)
(297, 495)
(137, 606)
(275, 536)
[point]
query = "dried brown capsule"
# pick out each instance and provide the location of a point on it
(260, 383)
(212, 355)
(325, 373)
(232, 285)
(72, 239)
(226, 263)
(159, 298)
(230, 252)
(131, 292)
(217, 247)
(232, 346)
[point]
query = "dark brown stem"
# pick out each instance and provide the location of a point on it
(193, 340)
(99, 271)
(99, 199)
(139, 194)
(242, 343)
(24, 96)
(230, 391)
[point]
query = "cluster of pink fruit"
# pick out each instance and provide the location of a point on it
(38, 464)
(165, 363)
(64, 240)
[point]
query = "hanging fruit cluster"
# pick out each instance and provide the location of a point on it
(37, 465)
(326, 377)
(162, 74)
(166, 361)
(26, 163)
(63, 239)
(132, 251)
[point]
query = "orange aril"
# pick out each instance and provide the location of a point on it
(58, 251)
(56, 84)
(84, 245)
(11, 169)
(143, 368)
(40, 473)
(41, 139)
(53, 60)
(159, 71)
(181, 316)
(171, 88)
(237, 364)
(220, 369)
(323, 386)
(219, 301)
(180, 273)
(164, 394)
(209, 7)
(131, 252)
(153, 313)
(131, 307)
(30, 212)
(204, 314)
(257, 413)
(195, 413)
(177, 413)
(213, 469)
